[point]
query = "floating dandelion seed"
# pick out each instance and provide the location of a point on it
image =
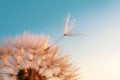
(67, 32)
(25, 58)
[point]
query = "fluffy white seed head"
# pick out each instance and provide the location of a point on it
(25, 58)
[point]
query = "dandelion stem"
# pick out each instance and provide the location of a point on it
(54, 43)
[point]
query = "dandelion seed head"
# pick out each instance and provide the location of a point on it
(25, 57)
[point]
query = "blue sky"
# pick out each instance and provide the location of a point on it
(44, 16)
(97, 53)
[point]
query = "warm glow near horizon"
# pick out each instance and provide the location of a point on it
(100, 58)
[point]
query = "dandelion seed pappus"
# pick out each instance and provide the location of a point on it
(27, 57)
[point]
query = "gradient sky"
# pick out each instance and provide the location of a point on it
(97, 53)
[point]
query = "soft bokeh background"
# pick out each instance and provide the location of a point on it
(97, 53)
